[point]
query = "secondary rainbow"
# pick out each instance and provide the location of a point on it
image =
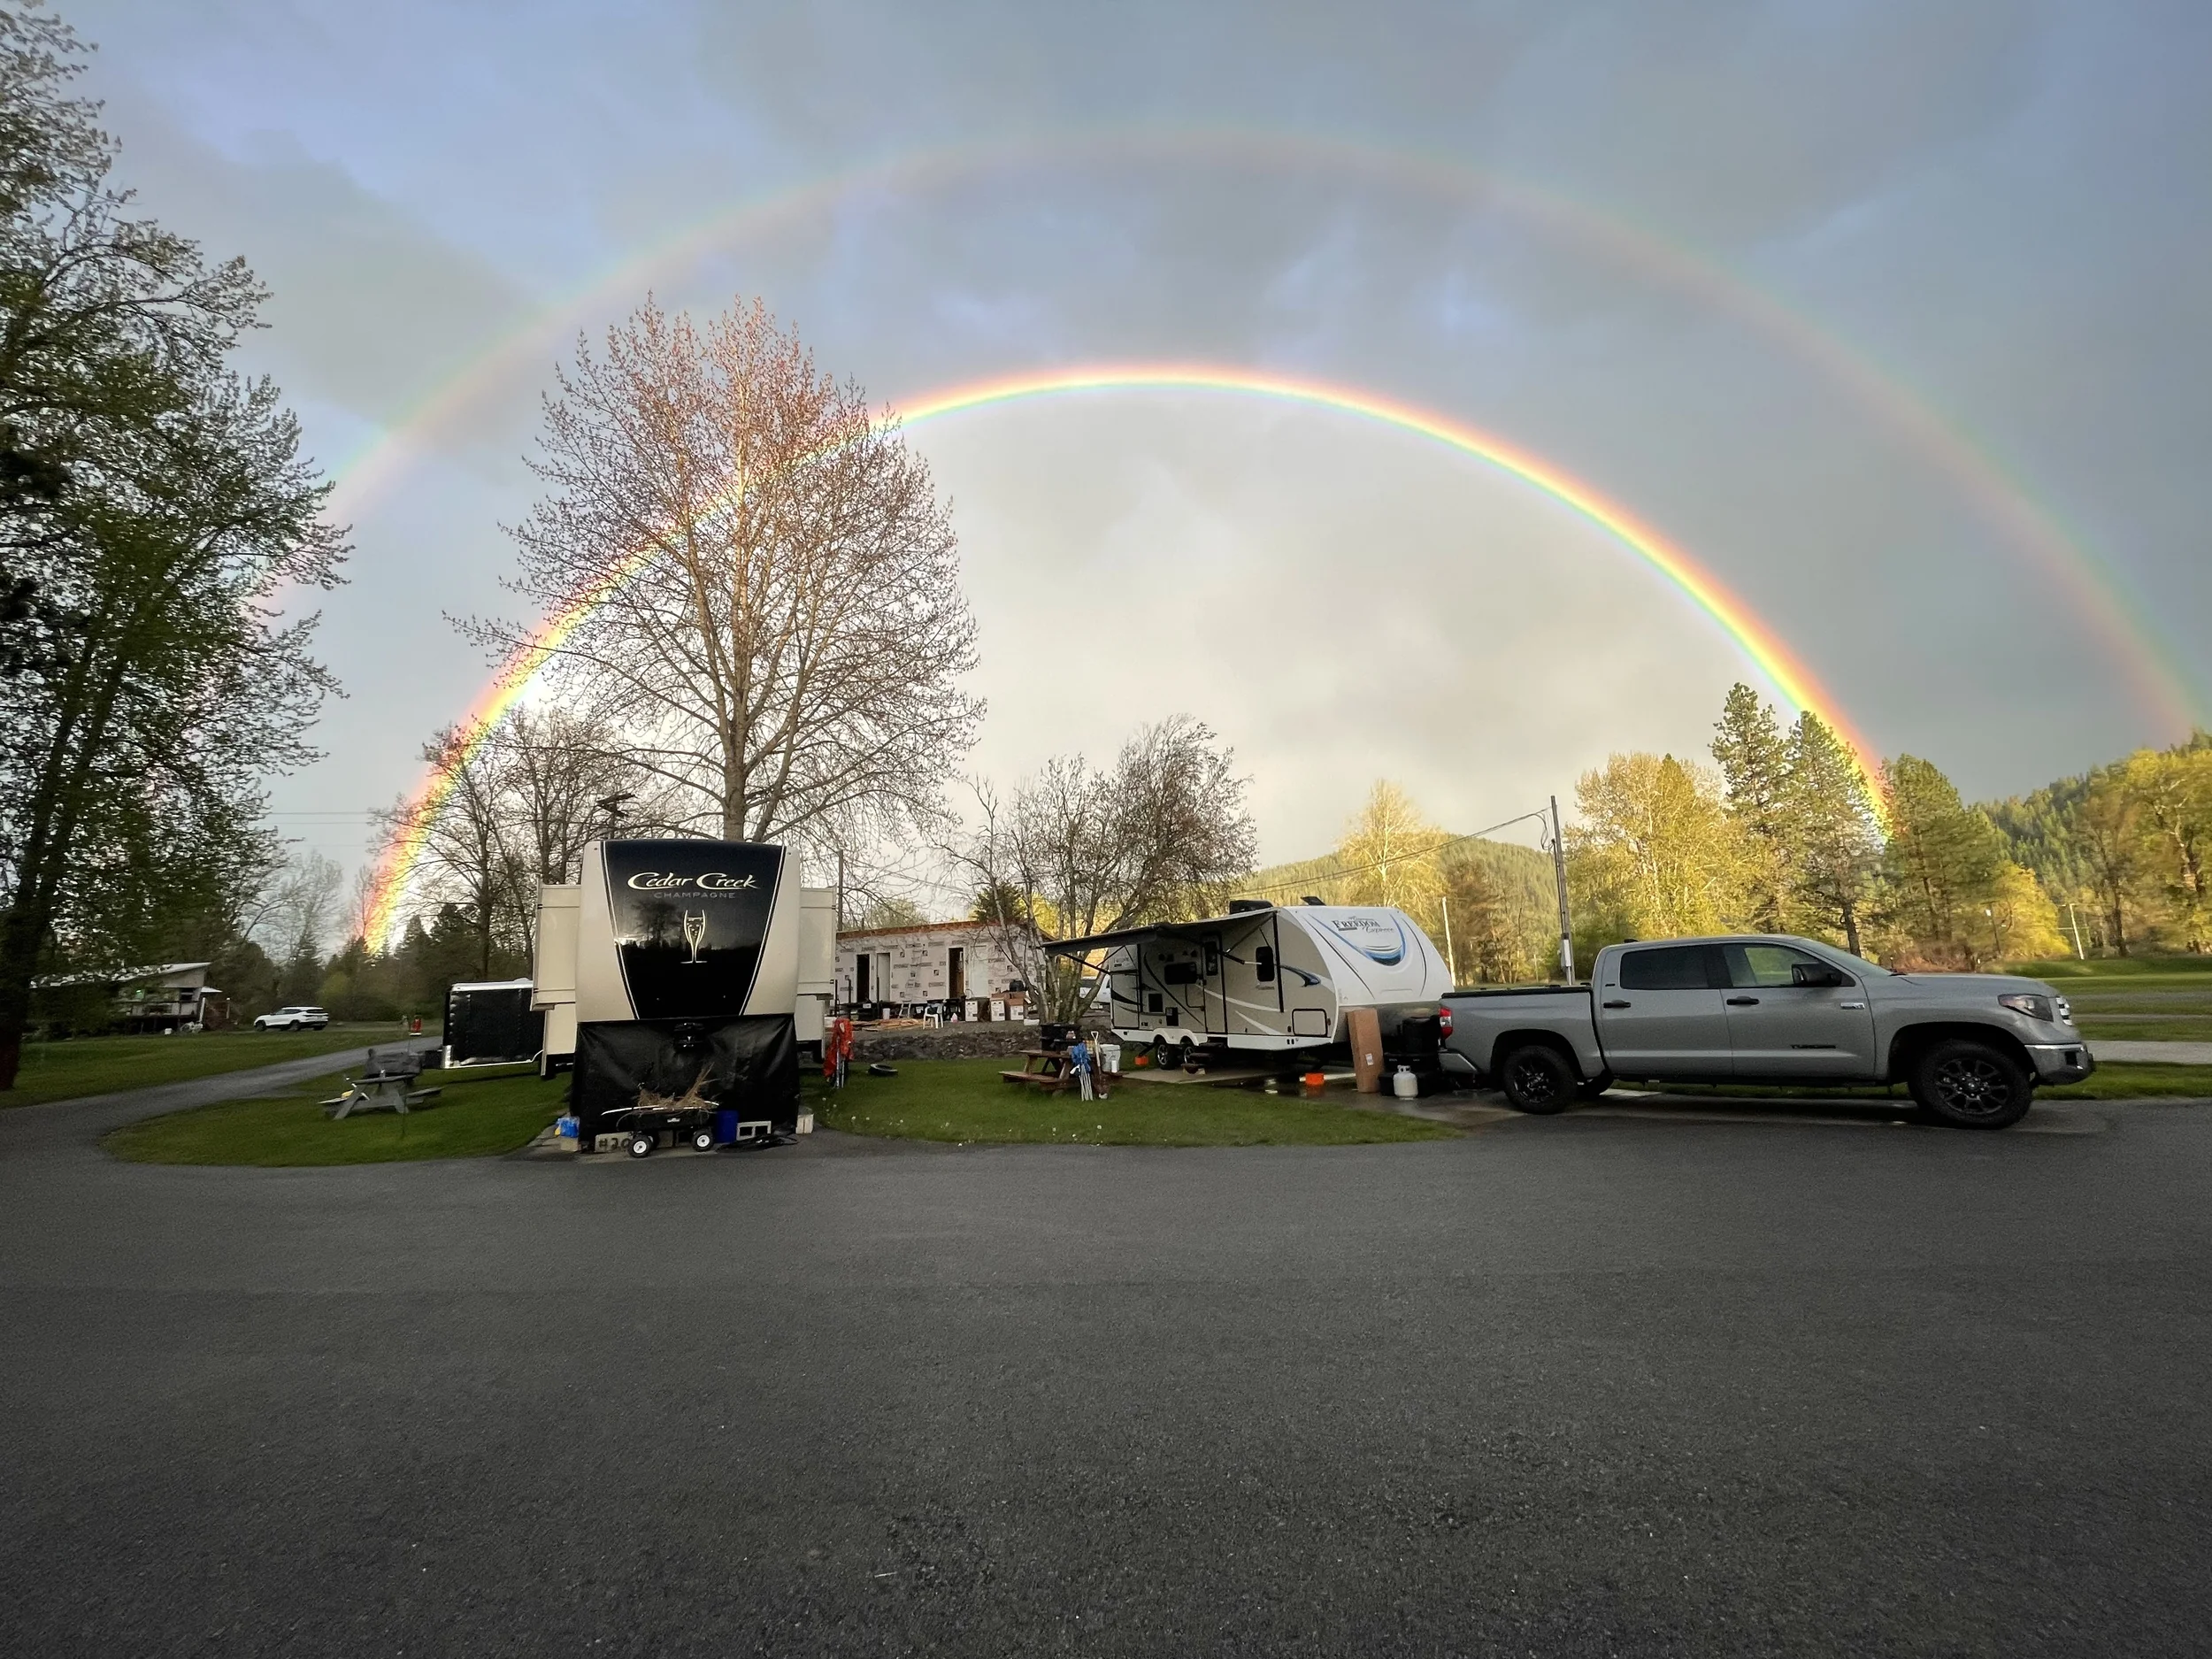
(2131, 641)
(1791, 679)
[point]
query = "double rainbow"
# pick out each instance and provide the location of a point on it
(1793, 682)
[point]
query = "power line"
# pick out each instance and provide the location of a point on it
(1540, 813)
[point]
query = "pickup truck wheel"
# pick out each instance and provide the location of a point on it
(1537, 1079)
(1972, 1086)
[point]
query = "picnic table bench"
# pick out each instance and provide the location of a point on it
(387, 1083)
(1047, 1069)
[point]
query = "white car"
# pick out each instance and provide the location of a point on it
(292, 1019)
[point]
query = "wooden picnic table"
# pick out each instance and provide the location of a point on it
(1047, 1069)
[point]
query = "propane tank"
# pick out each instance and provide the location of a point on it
(1404, 1085)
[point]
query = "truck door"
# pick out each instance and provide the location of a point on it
(1781, 1028)
(1662, 1012)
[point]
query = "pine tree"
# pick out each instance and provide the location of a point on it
(1942, 864)
(1832, 837)
(1754, 757)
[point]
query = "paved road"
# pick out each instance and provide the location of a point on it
(1590, 1384)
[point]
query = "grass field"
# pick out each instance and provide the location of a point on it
(965, 1100)
(480, 1113)
(96, 1066)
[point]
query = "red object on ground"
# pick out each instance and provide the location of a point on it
(837, 1044)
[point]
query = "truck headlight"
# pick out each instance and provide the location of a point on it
(2033, 1007)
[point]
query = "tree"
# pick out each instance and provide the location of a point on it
(1755, 765)
(1655, 855)
(152, 504)
(1942, 863)
(1079, 850)
(470, 856)
(2022, 921)
(1389, 853)
(2172, 791)
(770, 593)
(1833, 838)
(2107, 827)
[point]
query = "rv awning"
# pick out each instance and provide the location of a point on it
(1157, 929)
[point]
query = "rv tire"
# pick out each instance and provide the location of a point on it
(1164, 1057)
(1536, 1078)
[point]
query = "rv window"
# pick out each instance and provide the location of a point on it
(1213, 962)
(1263, 965)
(1179, 973)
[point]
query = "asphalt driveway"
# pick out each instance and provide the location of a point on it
(1593, 1385)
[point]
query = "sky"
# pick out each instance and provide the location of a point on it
(1891, 316)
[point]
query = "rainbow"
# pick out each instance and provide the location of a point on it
(1792, 681)
(2129, 640)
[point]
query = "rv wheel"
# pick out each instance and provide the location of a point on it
(704, 1140)
(1164, 1057)
(642, 1144)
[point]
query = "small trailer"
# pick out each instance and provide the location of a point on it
(1270, 980)
(491, 1022)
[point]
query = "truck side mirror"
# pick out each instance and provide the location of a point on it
(1805, 974)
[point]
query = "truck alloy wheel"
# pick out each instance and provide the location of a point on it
(1972, 1086)
(1537, 1079)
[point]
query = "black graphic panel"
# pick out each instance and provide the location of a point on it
(690, 918)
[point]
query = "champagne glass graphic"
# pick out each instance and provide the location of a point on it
(694, 933)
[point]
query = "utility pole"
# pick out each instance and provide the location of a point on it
(2074, 920)
(1559, 874)
(1451, 957)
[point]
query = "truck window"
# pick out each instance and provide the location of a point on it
(1668, 968)
(1755, 964)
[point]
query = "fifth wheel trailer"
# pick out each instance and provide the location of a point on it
(1270, 980)
(676, 963)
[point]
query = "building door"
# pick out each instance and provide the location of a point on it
(860, 978)
(956, 975)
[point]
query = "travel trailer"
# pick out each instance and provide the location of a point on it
(1265, 980)
(675, 963)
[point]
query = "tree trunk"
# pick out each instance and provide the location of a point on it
(21, 933)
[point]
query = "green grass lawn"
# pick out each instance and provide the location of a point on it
(480, 1113)
(965, 1100)
(96, 1066)
(2121, 972)
(2144, 1028)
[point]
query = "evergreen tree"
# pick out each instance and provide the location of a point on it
(1942, 864)
(1833, 838)
(1754, 757)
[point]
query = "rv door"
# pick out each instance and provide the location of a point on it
(1214, 986)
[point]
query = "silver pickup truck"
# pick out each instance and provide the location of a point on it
(1770, 1010)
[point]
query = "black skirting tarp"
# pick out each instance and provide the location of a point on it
(750, 1064)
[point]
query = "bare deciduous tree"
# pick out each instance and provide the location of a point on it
(774, 620)
(1079, 851)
